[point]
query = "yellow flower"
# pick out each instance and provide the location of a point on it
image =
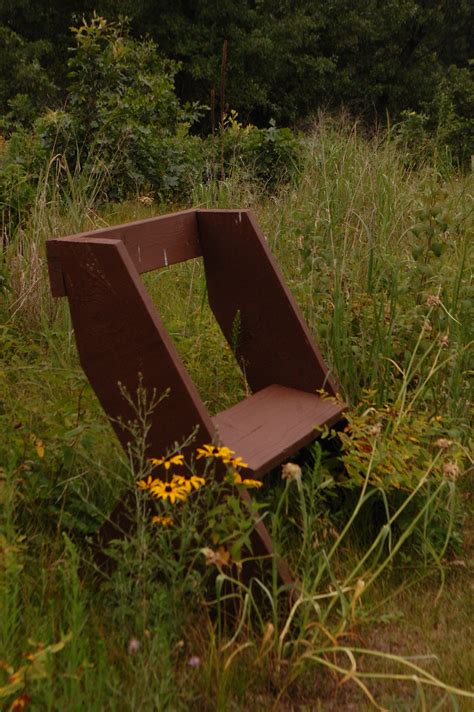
(39, 448)
(238, 462)
(196, 481)
(175, 460)
(156, 461)
(163, 520)
(146, 484)
(188, 482)
(237, 480)
(167, 462)
(168, 490)
(224, 453)
(252, 483)
(206, 451)
(221, 453)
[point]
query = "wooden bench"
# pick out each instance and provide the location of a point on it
(120, 335)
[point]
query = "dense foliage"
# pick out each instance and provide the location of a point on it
(125, 131)
(286, 59)
(115, 111)
(376, 245)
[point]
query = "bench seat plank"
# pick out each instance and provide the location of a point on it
(273, 424)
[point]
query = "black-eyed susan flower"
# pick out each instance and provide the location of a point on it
(238, 462)
(156, 461)
(196, 482)
(238, 480)
(249, 482)
(167, 462)
(172, 491)
(162, 520)
(222, 452)
(190, 483)
(146, 483)
(225, 454)
(206, 451)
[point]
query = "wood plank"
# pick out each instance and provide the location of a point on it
(55, 270)
(273, 424)
(151, 244)
(246, 288)
(120, 335)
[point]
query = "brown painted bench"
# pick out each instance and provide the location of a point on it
(120, 334)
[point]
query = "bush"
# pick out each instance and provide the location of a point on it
(122, 106)
(453, 112)
(407, 461)
(444, 123)
(22, 160)
(270, 155)
(25, 86)
(122, 117)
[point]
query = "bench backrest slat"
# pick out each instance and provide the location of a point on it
(151, 244)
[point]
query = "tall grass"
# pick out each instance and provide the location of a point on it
(390, 319)
(64, 203)
(343, 236)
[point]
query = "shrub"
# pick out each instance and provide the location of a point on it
(405, 461)
(25, 86)
(444, 124)
(121, 114)
(123, 107)
(270, 155)
(453, 112)
(22, 159)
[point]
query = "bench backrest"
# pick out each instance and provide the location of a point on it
(120, 334)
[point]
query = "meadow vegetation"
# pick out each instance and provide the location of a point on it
(373, 229)
(376, 244)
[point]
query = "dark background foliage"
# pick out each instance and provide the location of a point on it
(135, 94)
(286, 57)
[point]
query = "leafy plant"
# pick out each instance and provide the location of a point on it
(35, 668)
(122, 105)
(25, 84)
(399, 450)
(443, 128)
(271, 156)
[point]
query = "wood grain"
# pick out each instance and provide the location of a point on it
(273, 424)
(151, 244)
(246, 290)
(121, 338)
